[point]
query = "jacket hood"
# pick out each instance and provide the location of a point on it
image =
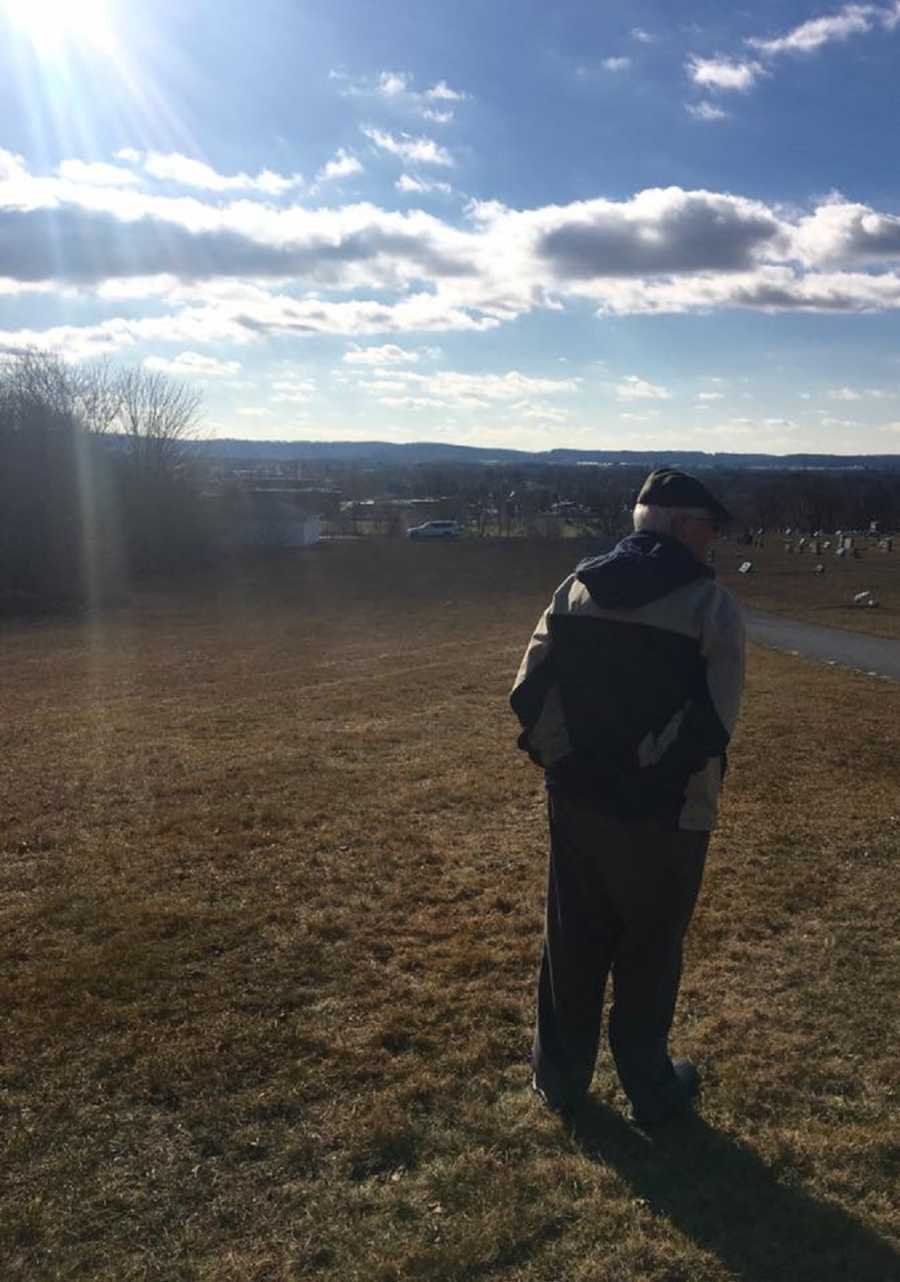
(640, 569)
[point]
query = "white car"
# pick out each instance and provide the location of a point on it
(435, 530)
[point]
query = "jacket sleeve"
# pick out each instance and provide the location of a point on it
(709, 717)
(723, 649)
(535, 697)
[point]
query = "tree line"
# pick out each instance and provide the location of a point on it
(495, 498)
(96, 486)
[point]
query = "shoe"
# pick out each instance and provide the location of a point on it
(688, 1078)
(687, 1089)
(563, 1107)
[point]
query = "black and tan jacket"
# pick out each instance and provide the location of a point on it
(629, 689)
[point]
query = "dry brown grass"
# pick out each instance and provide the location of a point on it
(272, 895)
(787, 584)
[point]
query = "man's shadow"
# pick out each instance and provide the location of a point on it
(726, 1200)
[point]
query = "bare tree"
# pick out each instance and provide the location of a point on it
(98, 396)
(158, 416)
(87, 396)
(58, 528)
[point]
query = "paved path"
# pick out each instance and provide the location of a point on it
(878, 656)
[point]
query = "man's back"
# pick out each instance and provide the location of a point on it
(629, 688)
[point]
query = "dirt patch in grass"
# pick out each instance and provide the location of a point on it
(272, 887)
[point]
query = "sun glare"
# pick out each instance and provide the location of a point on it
(52, 25)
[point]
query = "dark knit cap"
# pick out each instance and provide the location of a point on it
(668, 487)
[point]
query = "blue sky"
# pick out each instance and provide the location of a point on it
(495, 223)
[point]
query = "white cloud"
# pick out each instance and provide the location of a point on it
(411, 402)
(706, 111)
(642, 36)
(767, 289)
(292, 390)
(396, 90)
(843, 232)
(659, 231)
(187, 172)
(85, 342)
(616, 64)
(193, 365)
(241, 270)
(710, 396)
(853, 19)
(723, 74)
(80, 171)
(12, 167)
(441, 92)
(14, 288)
(253, 411)
(633, 388)
(388, 354)
(420, 186)
(381, 384)
(115, 233)
(344, 165)
(465, 391)
(422, 151)
(456, 386)
(415, 312)
(543, 413)
(392, 83)
(859, 394)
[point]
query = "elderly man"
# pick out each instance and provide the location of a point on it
(627, 696)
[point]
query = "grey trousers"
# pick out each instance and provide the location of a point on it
(619, 900)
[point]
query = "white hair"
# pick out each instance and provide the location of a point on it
(659, 520)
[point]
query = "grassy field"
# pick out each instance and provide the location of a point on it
(787, 584)
(272, 889)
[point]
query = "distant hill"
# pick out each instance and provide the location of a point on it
(375, 452)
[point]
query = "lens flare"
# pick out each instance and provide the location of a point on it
(53, 25)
